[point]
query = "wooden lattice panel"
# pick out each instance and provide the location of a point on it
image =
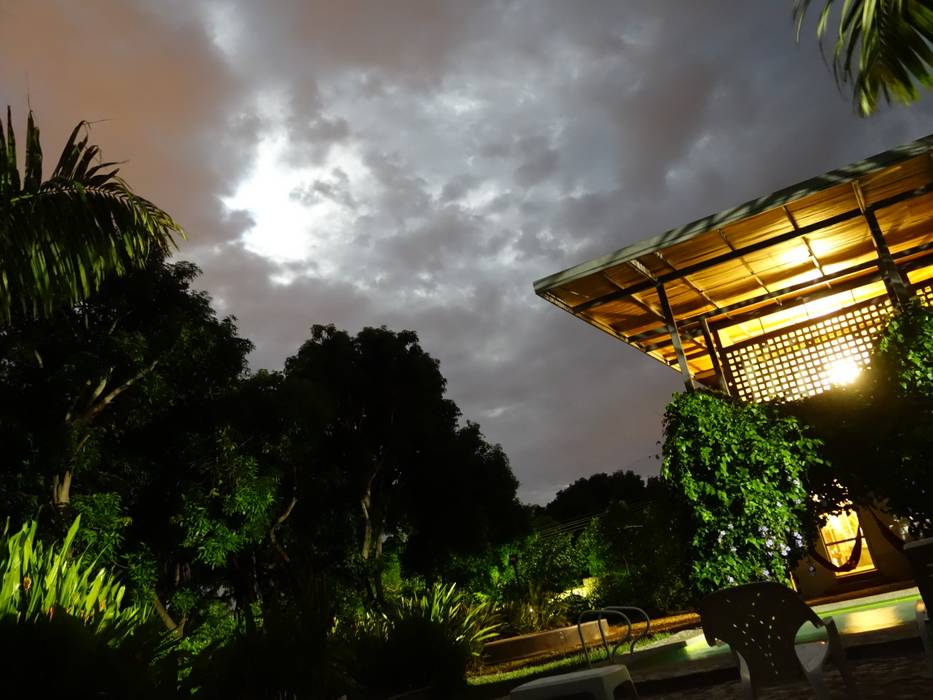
(926, 294)
(806, 360)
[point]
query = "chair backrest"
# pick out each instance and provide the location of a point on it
(920, 555)
(759, 621)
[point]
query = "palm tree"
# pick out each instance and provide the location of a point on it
(883, 47)
(60, 238)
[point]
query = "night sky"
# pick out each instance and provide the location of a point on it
(420, 164)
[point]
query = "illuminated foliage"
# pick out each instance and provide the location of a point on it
(884, 48)
(61, 238)
(739, 471)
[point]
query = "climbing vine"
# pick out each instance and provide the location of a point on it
(739, 470)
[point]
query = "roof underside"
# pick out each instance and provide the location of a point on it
(768, 264)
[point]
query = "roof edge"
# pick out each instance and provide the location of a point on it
(783, 196)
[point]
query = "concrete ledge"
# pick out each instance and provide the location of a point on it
(562, 639)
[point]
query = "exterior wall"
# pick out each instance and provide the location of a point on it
(891, 565)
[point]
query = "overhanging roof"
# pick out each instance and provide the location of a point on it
(763, 265)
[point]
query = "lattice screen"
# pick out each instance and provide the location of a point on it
(926, 294)
(807, 359)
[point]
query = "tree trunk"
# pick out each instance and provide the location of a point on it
(61, 489)
(366, 504)
(177, 627)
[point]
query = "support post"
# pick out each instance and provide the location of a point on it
(713, 349)
(671, 324)
(894, 282)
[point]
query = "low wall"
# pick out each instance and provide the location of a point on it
(563, 639)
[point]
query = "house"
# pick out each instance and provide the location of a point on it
(779, 298)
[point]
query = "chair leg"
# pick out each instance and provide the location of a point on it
(745, 677)
(845, 669)
(627, 683)
(926, 631)
(816, 682)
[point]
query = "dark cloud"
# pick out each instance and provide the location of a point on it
(434, 158)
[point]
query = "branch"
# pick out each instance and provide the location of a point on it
(93, 410)
(281, 519)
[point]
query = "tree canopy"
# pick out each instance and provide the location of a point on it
(61, 238)
(883, 48)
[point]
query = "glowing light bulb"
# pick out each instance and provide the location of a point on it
(843, 372)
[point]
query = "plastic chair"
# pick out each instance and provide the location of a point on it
(920, 555)
(759, 621)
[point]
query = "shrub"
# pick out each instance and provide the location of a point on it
(40, 581)
(739, 470)
(637, 552)
(423, 640)
(56, 607)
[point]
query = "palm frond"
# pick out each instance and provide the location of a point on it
(61, 238)
(883, 48)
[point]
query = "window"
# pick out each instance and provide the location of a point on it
(839, 535)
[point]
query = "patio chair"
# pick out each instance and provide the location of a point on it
(920, 555)
(759, 621)
(600, 682)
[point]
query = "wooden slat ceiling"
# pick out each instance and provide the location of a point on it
(725, 267)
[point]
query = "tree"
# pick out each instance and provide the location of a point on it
(883, 47)
(379, 447)
(60, 238)
(122, 408)
(637, 551)
(591, 495)
(145, 341)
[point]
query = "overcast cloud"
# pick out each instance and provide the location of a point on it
(419, 164)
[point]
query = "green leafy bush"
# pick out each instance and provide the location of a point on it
(41, 581)
(739, 470)
(531, 577)
(55, 606)
(637, 552)
(905, 351)
(423, 640)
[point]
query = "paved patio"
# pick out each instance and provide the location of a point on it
(879, 633)
(897, 678)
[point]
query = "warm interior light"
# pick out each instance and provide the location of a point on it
(842, 372)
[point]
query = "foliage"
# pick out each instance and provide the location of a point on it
(104, 531)
(373, 431)
(40, 581)
(230, 510)
(904, 351)
(882, 47)
(427, 639)
(878, 432)
(529, 577)
(284, 658)
(637, 552)
(591, 495)
(60, 238)
(74, 613)
(739, 470)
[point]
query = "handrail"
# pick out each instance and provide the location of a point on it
(602, 635)
(640, 612)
